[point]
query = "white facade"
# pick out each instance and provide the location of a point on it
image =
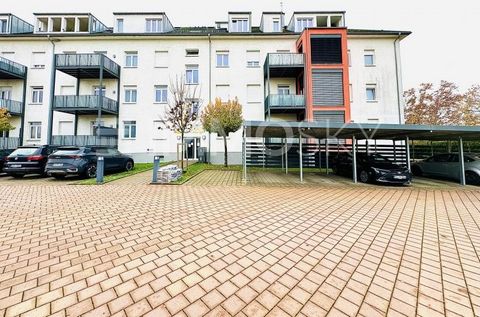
(160, 58)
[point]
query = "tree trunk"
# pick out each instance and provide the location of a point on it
(182, 154)
(225, 152)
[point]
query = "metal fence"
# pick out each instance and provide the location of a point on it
(12, 106)
(12, 67)
(84, 140)
(85, 102)
(87, 61)
(9, 143)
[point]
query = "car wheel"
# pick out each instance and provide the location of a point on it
(472, 178)
(91, 171)
(129, 166)
(363, 176)
(416, 170)
(17, 175)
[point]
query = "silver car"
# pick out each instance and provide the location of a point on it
(447, 165)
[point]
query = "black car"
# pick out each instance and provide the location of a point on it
(82, 161)
(372, 168)
(28, 160)
(3, 157)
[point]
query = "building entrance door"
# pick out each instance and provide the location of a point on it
(191, 151)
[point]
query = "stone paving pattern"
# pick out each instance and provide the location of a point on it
(133, 249)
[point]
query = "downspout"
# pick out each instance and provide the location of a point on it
(209, 90)
(397, 75)
(52, 92)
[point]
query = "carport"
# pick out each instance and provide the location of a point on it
(351, 133)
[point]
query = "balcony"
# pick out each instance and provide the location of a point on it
(87, 66)
(15, 108)
(11, 70)
(284, 64)
(284, 103)
(84, 140)
(86, 105)
(9, 143)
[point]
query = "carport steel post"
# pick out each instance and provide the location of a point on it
(354, 153)
(461, 161)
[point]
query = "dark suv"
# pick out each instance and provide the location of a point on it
(28, 160)
(82, 161)
(3, 157)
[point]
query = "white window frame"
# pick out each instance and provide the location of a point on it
(131, 127)
(6, 93)
(131, 59)
(3, 26)
(241, 25)
(253, 63)
(154, 25)
(162, 92)
(130, 94)
(283, 88)
(371, 87)
(37, 95)
(190, 79)
(35, 128)
(276, 25)
(96, 91)
(369, 53)
(302, 23)
(120, 25)
(223, 59)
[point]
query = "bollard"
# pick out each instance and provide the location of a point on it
(100, 169)
(156, 166)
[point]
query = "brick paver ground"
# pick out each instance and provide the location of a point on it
(238, 250)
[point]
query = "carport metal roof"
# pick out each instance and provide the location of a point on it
(282, 129)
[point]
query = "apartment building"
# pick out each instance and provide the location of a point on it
(68, 78)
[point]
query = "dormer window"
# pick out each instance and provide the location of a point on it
(154, 25)
(240, 25)
(3, 26)
(120, 25)
(276, 25)
(303, 23)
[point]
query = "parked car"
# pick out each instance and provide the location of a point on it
(28, 160)
(372, 168)
(82, 161)
(3, 157)
(447, 165)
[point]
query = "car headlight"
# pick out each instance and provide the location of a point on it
(380, 171)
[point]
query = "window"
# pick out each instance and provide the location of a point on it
(159, 131)
(222, 92)
(191, 75)
(37, 95)
(161, 94)
(3, 26)
(240, 25)
(303, 23)
(129, 129)
(283, 90)
(222, 59)
(254, 93)
(161, 59)
(371, 93)
(154, 26)
(276, 25)
(96, 91)
(253, 59)
(195, 106)
(326, 49)
(5, 92)
(131, 59)
(130, 94)
(192, 52)
(369, 58)
(120, 25)
(35, 130)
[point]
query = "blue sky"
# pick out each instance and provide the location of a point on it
(444, 44)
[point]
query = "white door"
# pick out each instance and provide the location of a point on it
(65, 128)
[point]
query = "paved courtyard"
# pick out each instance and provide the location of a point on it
(134, 249)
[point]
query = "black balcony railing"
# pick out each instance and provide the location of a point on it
(284, 102)
(10, 70)
(85, 103)
(84, 140)
(86, 61)
(13, 107)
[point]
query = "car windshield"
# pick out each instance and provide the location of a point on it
(377, 158)
(25, 151)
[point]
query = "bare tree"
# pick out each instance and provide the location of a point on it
(183, 108)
